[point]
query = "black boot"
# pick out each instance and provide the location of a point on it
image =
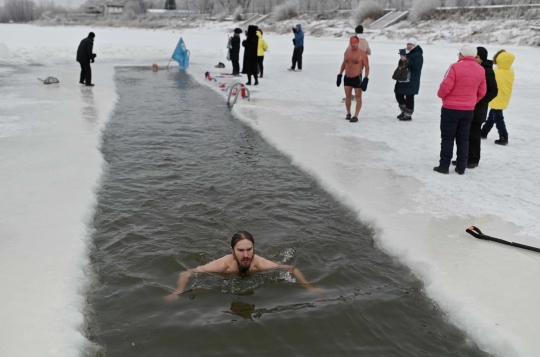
(402, 109)
(503, 140)
(470, 165)
(440, 169)
(484, 133)
(407, 115)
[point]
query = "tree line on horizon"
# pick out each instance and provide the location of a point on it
(29, 10)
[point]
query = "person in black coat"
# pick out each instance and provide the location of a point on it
(413, 58)
(235, 51)
(251, 45)
(481, 108)
(84, 57)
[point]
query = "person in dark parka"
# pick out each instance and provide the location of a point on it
(413, 57)
(481, 108)
(85, 55)
(235, 51)
(251, 45)
(298, 42)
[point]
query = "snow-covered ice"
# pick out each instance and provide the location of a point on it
(379, 167)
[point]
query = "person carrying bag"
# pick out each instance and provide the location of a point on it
(407, 77)
(401, 74)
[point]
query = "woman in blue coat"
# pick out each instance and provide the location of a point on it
(298, 43)
(413, 58)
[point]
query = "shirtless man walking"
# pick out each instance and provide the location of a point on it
(241, 261)
(354, 62)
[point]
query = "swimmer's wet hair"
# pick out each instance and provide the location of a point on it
(241, 235)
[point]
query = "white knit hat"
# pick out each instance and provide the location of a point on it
(412, 41)
(468, 50)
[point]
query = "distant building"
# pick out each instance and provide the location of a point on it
(113, 9)
(93, 10)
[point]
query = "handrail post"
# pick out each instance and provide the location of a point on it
(237, 94)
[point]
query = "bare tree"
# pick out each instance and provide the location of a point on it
(226, 5)
(244, 3)
(20, 10)
(205, 6)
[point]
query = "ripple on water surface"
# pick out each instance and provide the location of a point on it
(184, 175)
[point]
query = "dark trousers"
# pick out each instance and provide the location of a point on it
(260, 60)
(297, 57)
(235, 67)
(495, 117)
(254, 76)
(406, 100)
(86, 73)
(455, 125)
(475, 140)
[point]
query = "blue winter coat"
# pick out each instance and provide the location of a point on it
(416, 61)
(299, 37)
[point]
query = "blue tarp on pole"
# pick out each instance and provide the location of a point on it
(181, 54)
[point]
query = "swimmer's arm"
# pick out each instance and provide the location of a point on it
(183, 279)
(265, 264)
(217, 266)
(300, 277)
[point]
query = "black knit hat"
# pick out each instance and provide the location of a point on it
(237, 30)
(482, 53)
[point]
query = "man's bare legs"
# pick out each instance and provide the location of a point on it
(358, 94)
(348, 98)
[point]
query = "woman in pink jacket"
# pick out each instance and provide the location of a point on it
(463, 86)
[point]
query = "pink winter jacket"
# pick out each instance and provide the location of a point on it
(464, 85)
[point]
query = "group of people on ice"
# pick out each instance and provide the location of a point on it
(254, 48)
(469, 88)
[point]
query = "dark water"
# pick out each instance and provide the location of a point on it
(185, 175)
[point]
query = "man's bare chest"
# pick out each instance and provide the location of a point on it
(353, 59)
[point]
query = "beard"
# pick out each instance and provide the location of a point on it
(243, 267)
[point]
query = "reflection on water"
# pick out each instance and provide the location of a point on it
(248, 311)
(184, 175)
(89, 109)
(242, 309)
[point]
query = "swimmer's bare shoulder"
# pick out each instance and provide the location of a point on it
(261, 264)
(223, 265)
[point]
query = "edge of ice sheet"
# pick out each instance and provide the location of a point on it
(52, 166)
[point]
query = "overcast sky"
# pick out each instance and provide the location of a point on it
(65, 3)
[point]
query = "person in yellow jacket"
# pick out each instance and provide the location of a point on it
(505, 81)
(263, 46)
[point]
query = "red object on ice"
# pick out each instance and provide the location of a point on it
(243, 91)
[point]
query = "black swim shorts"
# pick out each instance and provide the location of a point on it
(354, 82)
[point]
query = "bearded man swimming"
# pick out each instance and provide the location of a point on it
(242, 260)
